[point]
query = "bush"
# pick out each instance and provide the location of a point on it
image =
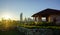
(44, 24)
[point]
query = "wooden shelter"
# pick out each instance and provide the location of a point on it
(50, 14)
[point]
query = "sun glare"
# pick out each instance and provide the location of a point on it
(7, 16)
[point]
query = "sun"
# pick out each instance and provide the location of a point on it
(7, 16)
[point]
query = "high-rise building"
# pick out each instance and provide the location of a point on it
(21, 17)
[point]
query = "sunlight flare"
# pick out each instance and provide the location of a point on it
(7, 16)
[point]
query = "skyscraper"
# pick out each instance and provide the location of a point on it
(21, 17)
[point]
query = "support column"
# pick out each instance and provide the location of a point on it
(35, 19)
(49, 19)
(39, 19)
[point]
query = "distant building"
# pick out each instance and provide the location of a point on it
(29, 19)
(25, 19)
(51, 15)
(21, 17)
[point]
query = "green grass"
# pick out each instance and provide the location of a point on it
(33, 26)
(39, 25)
(11, 32)
(47, 27)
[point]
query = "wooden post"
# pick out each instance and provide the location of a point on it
(35, 19)
(49, 19)
(39, 18)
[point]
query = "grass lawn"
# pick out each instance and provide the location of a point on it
(11, 32)
(53, 27)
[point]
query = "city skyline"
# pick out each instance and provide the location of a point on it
(27, 7)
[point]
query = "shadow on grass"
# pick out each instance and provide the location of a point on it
(11, 32)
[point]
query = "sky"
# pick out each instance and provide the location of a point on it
(27, 7)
